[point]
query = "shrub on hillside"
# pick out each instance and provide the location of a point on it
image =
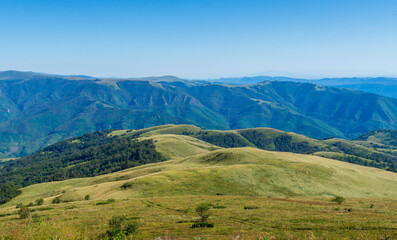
(39, 202)
(56, 200)
(203, 210)
(126, 185)
(338, 199)
(24, 212)
(87, 197)
(120, 227)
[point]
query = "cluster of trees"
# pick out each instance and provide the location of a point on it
(90, 155)
(221, 139)
(379, 160)
(281, 143)
(386, 136)
(259, 139)
(286, 143)
(8, 191)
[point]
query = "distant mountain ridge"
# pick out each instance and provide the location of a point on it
(385, 86)
(37, 110)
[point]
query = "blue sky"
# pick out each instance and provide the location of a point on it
(200, 39)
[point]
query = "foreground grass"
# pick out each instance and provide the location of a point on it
(248, 217)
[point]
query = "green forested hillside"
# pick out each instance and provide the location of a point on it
(90, 155)
(385, 86)
(383, 138)
(358, 152)
(38, 110)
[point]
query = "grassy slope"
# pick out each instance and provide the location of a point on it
(237, 171)
(291, 194)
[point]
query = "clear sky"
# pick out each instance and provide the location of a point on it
(200, 39)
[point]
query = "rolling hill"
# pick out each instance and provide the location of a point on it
(253, 193)
(195, 155)
(37, 110)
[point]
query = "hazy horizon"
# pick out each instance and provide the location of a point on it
(200, 39)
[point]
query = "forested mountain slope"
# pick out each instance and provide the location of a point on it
(37, 110)
(385, 86)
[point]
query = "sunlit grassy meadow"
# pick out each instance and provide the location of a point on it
(264, 218)
(254, 194)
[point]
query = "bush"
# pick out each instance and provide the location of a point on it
(119, 227)
(56, 200)
(132, 227)
(87, 197)
(24, 212)
(203, 211)
(39, 202)
(115, 223)
(338, 199)
(126, 185)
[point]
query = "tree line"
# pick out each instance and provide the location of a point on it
(87, 156)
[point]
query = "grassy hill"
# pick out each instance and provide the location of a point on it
(195, 166)
(239, 171)
(111, 151)
(253, 193)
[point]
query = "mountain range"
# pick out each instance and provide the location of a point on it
(37, 110)
(385, 86)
